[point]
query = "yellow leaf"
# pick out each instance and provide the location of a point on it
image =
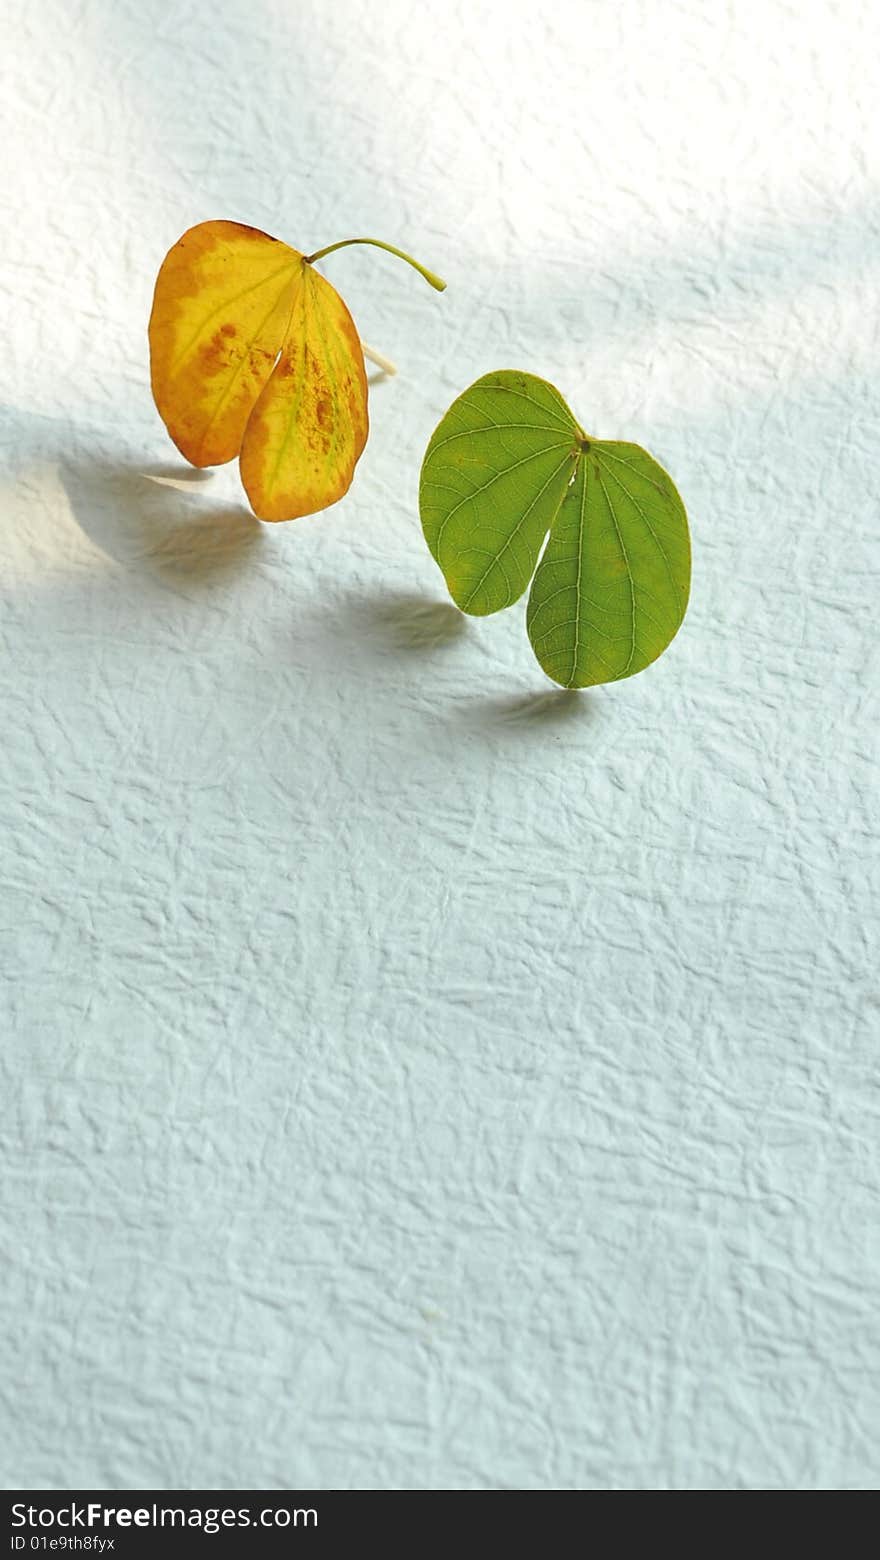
(310, 424)
(254, 354)
(222, 302)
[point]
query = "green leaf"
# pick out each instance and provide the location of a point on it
(493, 477)
(611, 589)
(509, 462)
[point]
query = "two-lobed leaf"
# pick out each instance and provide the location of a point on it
(253, 353)
(509, 462)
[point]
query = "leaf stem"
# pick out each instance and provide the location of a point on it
(434, 281)
(380, 360)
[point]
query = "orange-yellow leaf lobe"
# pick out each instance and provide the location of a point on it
(310, 423)
(221, 307)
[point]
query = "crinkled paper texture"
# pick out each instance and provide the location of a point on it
(414, 1076)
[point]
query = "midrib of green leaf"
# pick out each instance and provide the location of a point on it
(577, 588)
(605, 455)
(496, 561)
(629, 574)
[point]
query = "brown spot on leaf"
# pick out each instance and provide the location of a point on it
(214, 354)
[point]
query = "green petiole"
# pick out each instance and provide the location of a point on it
(434, 281)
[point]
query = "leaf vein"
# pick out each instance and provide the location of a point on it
(512, 538)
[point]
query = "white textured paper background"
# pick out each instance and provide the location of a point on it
(414, 1077)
